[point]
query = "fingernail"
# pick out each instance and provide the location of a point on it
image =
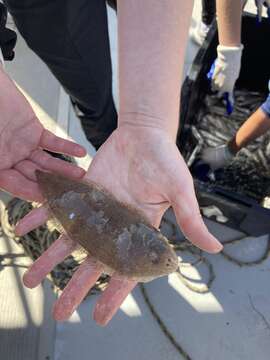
(28, 280)
(79, 172)
(19, 229)
(101, 315)
(58, 315)
(80, 151)
(216, 245)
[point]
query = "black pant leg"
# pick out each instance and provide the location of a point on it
(71, 37)
(208, 11)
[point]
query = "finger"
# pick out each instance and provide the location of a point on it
(19, 186)
(56, 144)
(259, 11)
(215, 87)
(225, 96)
(32, 220)
(28, 169)
(211, 72)
(55, 254)
(217, 80)
(244, 3)
(229, 102)
(188, 216)
(231, 98)
(59, 166)
(77, 288)
(111, 299)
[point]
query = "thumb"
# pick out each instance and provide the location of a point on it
(189, 219)
(231, 98)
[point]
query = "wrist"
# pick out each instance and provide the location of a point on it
(141, 122)
(231, 52)
(134, 138)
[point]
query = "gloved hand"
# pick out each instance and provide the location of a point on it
(225, 71)
(217, 157)
(259, 4)
(8, 38)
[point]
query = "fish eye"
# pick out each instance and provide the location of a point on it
(169, 262)
(153, 257)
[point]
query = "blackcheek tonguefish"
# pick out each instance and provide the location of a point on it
(117, 235)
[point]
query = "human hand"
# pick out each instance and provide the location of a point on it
(141, 166)
(23, 140)
(217, 157)
(225, 71)
(260, 4)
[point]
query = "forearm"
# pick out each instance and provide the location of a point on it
(257, 125)
(229, 13)
(152, 42)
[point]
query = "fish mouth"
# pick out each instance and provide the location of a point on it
(171, 262)
(172, 265)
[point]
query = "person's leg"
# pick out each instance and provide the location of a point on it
(71, 37)
(208, 11)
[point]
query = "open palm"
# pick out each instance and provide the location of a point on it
(142, 167)
(22, 143)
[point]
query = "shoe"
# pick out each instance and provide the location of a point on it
(199, 33)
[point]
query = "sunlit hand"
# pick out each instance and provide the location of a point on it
(23, 140)
(140, 166)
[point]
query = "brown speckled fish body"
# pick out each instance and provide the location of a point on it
(117, 235)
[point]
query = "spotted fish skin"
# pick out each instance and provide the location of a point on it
(115, 234)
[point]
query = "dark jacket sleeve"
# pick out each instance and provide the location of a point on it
(8, 37)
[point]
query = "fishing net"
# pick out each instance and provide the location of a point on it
(38, 240)
(249, 172)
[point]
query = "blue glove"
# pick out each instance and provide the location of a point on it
(226, 95)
